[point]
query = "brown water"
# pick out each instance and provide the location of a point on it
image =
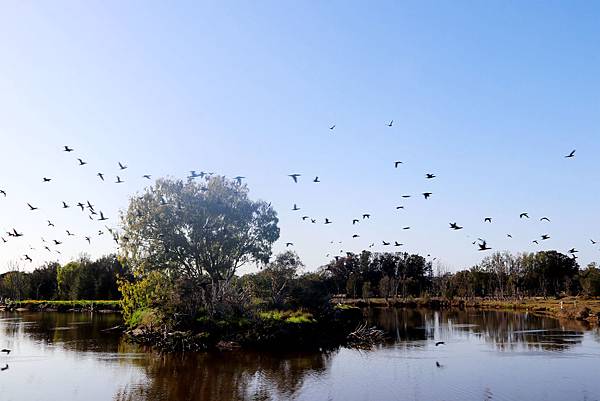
(486, 356)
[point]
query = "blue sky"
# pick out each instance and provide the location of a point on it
(489, 96)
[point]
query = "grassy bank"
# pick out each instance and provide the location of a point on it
(64, 306)
(579, 308)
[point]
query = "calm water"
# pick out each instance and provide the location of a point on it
(487, 356)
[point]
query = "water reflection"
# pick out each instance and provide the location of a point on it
(487, 355)
(505, 330)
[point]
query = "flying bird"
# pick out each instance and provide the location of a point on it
(50, 224)
(427, 194)
(545, 237)
(316, 179)
(102, 218)
(430, 176)
(332, 127)
(385, 243)
(81, 162)
(239, 179)
(16, 234)
(68, 149)
(57, 242)
(289, 244)
(69, 233)
(522, 215)
(296, 207)
(406, 228)
(147, 176)
(355, 236)
(354, 221)
(455, 226)
(366, 216)
(483, 246)
(119, 181)
(593, 242)
(509, 236)
(399, 207)
(327, 221)
(294, 177)
(122, 166)
(572, 154)
(397, 163)
(3, 192)
(32, 207)
(28, 258)
(45, 179)
(88, 240)
(535, 242)
(101, 176)
(545, 218)
(487, 220)
(573, 250)
(396, 243)
(81, 205)
(390, 123)
(304, 218)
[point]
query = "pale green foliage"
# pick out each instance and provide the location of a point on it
(199, 232)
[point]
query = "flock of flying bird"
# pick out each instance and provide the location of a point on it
(97, 215)
(481, 244)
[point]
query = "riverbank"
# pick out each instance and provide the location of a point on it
(575, 308)
(63, 306)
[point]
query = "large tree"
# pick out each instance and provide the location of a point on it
(200, 232)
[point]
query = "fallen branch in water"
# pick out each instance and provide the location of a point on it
(365, 337)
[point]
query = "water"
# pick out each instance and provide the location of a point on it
(486, 356)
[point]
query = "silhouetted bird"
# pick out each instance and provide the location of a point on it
(147, 176)
(316, 179)
(314, 221)
(483, 246)
(119, 181)
(88, 240)
(406, 228)
(396, 243)
(332, 127)
(572, 154)
(69, 233)
(573, 250)
(101, 176)
(355, 236)
(289, 244)
(509, 236)
(28, 258)
(399, 207)
(429, 176)
(3, 192)
(57, 242)
(439, 343)
(455, 226)
(487, 220)
(50, 224)
(385, 243)
(65, 206)
(48, 249)
(81, 162)
(593, 242)
(397, 163)
(81, 205)
(304, 218)
(239, 179)
(122, 166)
(354, 221)
(406, 196)
(46, 179)
(427, 194)
(438, 364)
(4, 368)
(16, 234)
(294, 177)
(523, 215)
(366, 216)
(535, 242)
(296, 207)
(327, 221)
(390, 123)
(6, 351)
(32, 207)
(68, 149)
(545, 218)
(545, 237)
(3, 240)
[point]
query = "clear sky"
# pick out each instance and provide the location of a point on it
(488, 96)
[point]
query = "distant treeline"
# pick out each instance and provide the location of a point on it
(385, 275)
(81, 279)
(502, 274)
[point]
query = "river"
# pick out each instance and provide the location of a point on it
(485, 356)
